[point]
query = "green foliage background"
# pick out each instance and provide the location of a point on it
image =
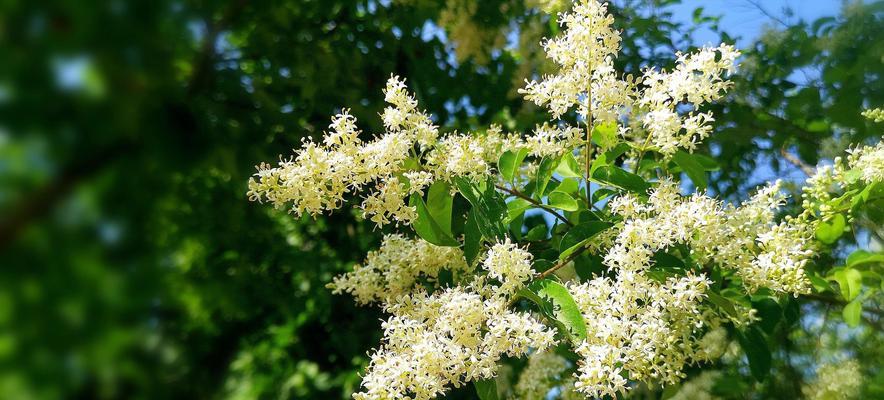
(133, 265)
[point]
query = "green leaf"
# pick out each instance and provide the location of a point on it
(568, 167)
(860, 257)
(516, 207)
(537, 233)
(605, 134)
(439, 203)
(601, 194)
(829, 231)
(554, 300)
(579, 235)
(544, 173)
(490, 208)
(486, 389)
(691, 167)
(755, 346)
(669, 391)
(722, 303)
(509, 163)
(426, 227)
(562, 201)
(617, 177)
(852, 312)
(569, 185)
(819, 284)
(609, 157)
(849, 282)
(708, 163)
(472, 238)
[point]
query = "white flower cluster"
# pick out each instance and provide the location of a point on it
(589, 42)
(745, 239)
(869, 160)
(551, 140)
(509, 265)
(864, 164)
(394, 269)
(319, 175)
(588, 80)
(541, 375)
(841, 381)
(696, 79)
(637, 327)
(698, 388)
(449, 337)
(389, 166)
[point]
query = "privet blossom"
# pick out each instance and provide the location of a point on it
(646, 316)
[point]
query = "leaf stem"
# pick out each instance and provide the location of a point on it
(562, 263)
(641, 154)
(537, 204)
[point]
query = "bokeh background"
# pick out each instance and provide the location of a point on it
(132, 264)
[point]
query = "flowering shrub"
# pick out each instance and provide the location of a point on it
(635, 282)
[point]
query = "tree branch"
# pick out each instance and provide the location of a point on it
(536, 203)
(807, 169)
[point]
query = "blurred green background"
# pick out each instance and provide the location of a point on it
(133, 265)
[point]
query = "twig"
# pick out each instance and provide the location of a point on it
(562, 263)
(535, 203)
(807, 169)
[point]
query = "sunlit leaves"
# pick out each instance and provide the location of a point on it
(556, 303)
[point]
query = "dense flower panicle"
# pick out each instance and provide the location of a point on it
(446, 339)
(319, 176)
(551, 140)
(640, 327)
(469, 155)
(644, 325)
(509, 265)
(869, 160)
(745, 239)
(394, 269)
(588, 42)
(836, 381)
(587, 79)
(696, 79)
(541, 375)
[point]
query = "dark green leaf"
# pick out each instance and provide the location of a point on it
(755, 346)
(579, 235)
(486, 389)
(426, 227)
(723, 303)
(509, 163)
(536, 233)
(860, 257)
(544, 174)
(488, 203)
(849, 282)
(554, 300)
(568, 167)
(472, 238)
(615, 176)
(439, 203)
(691, 167)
